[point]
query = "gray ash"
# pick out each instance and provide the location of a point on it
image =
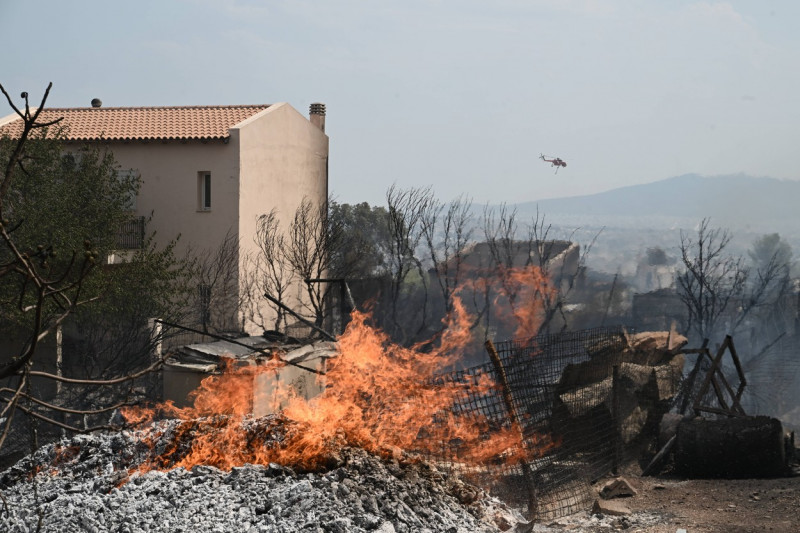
(90, 483)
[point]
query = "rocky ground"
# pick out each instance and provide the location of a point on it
(667, 505)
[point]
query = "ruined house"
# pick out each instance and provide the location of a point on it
(659, 310)
(560, 259)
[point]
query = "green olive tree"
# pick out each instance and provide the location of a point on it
(62, 211)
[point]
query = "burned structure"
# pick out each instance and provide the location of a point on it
(304, 364)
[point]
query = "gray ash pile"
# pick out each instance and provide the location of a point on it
(95, 483)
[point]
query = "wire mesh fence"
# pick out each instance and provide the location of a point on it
(582, 408)
(773, 378)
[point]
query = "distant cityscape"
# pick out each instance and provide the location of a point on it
(625, 222)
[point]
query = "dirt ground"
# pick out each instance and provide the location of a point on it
(734, 506)
(668, 505)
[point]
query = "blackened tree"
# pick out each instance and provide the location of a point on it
(720, 290)
(712, 281)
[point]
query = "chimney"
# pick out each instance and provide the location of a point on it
(316, 114)
(96, 102)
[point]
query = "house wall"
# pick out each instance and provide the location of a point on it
(169, 188)
(170, 193)
(283, 159)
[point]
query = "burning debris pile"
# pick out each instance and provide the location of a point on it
(377, 396)
(350, 458)
(95, 483)
(353, 458)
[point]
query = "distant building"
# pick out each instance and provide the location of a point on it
(207, 171)
(658, 310)
(560, 259)
(654, 271)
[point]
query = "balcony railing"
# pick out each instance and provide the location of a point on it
(131, 235)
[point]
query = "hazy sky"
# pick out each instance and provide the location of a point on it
(461, 95)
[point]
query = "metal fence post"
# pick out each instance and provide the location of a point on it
(527, 474)
(616, 418)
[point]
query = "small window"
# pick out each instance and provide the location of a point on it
(204, 191)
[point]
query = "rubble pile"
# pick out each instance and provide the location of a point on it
(650, 372)
(95, 483)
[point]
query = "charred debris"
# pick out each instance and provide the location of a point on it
(586, 406)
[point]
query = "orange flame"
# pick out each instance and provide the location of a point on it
(528, 290)
(522, 295)
(377, 395)
(380, 395)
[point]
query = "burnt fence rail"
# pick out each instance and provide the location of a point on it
(570, 434)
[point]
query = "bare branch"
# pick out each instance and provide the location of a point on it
(60, 408)
(62, 425)
(11, 102)
(28, 124)
(100, 382)
(8, 412)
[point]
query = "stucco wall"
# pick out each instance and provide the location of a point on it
(169, 172)
(169, 188)
(283, 159)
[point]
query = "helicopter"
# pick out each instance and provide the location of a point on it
(555, 162)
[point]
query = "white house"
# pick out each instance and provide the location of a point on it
(208, 171)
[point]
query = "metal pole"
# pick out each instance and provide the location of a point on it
(688, 385)
(527, 474)
(343, 282)
(301, 319)
(616, 418)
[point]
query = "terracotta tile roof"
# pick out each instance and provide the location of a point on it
(143, 123)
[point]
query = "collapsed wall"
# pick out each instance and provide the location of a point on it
(627, 389)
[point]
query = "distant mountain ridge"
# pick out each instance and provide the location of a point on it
(736, 200)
